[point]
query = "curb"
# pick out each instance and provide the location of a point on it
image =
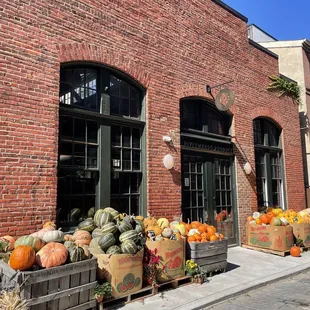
(218, 297)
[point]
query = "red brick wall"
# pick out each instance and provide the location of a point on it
(173, 49)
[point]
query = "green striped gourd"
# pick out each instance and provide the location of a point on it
(87, 225)
(94, 243)
(124, 226)
(69, 244)
(101, 218)
(106, 241)
(96, 251)
(129, 235)
(113, 212)
(36, 243)
(114, 249)
(108, 228)
(74, 214)
(97, 232)
(76, 254)
(140, 226)
(129, 247)
(91, 212)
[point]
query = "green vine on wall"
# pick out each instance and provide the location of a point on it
(285, 87)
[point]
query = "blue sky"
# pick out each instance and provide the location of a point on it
(283, 19)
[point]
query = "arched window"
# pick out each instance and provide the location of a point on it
(269, 167)
(101, 125)
(198, 115)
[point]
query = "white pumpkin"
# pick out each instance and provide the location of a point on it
(174, 223)
(167, 232)
(54, 236)
(193, 231)
(163, 223)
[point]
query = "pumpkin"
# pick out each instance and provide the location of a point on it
(271, 215)
(22, 257)
(188, 226)
(82, 237)
(47, 224)
(76, 254)
(163, 223)
(51, 255)
(191, 239)
(295, 251)
(265, 219)
(192, 232)
(149, 221)
(205, 236)
(10, 241)
(195, 224)
(202, 228)
(157, 230)
(53, 236)
(214, 238)
(35, 242)
(221, 236)
(167, 232)
(197, 237)
(68, 238)
(42, 231)
(178, 236)
(211, 230)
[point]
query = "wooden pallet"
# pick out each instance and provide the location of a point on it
(279, 253)
(144, 292)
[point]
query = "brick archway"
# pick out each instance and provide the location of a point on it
(76, 52)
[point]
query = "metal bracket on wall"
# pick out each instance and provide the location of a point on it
(209, 88)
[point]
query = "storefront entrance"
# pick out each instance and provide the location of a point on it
(207, 169)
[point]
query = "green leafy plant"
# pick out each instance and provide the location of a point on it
(285, 87)
(193, 269)
(104, 290)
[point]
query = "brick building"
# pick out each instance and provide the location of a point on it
(89, 89)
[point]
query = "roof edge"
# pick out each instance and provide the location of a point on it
(269, 35)
(230, 10)
(263, 49)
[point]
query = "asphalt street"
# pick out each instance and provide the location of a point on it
(288, 294)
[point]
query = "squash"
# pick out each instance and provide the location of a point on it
(51, 255)
(88, 225)
(101, 218)
(76, 254)
(69, 244)
(191, 238)
(275, 221)
(149, 221)
(265, 219)
(97, 233)
(10, 241)
(35, 242)
(114, 249)
(91, 212)
(188, 226)
(68, 238)
(96, 251)
(157, 230)
(167, 232)
(115, 214)
(94, 243)
(22, 258)
(295, 251)
(181, 228)
(53, 236)
(106, 241)
(49, 223)
(192, 232)
(82, 237)
(109, 228)
(174, 223)
(41, 232)
(74, 214)
(140, 218)
(124, 226)
(163, 223)
(211, 230)
(129, 235)
(129, 247)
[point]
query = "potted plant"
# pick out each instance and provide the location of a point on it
(103, 291)
(151, 262)
(194, 271)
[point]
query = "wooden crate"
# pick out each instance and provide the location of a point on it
(210, 256)
(59, 288)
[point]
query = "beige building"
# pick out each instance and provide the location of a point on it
(294, 62)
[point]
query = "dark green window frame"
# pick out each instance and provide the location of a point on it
(270, 181)
(91, 101)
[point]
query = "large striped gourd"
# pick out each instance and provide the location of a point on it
(91, 212)
(124, 226)
(74, 214)
(129, 247)
(76, 254)
(114, 249)
(36, 243)
(140, 226)
(94, 243)
(113, 212)
(87, 225)
(101, 218)
(106, 241)
(108, 228)
(97, 232)
(129, 235)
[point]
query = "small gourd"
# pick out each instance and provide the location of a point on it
(163, 223)
(167, 232)
(192, 232)
(159, 238)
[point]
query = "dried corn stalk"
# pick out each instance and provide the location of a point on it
(12, 301)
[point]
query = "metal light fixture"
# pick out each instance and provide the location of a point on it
(168, 162)
(247, 168)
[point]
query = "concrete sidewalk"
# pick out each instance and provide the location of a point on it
(247, 270)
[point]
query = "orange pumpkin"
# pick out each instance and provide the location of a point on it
(188, 226)
(195, 224)
(258, 222)
(271, 215)
(250, 219)
(191, 239)
(211, 230)
(295, 251)
(11, 242)
(82, 237)
(265, 219)
(205, 236)
(214, 238)
(68, 238)
(22, 258)
(202, 228)
(197, 237)
(221, 236)
(51, 255)
(49, 223)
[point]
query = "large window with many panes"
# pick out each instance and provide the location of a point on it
(269, 164)
(101, 130)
